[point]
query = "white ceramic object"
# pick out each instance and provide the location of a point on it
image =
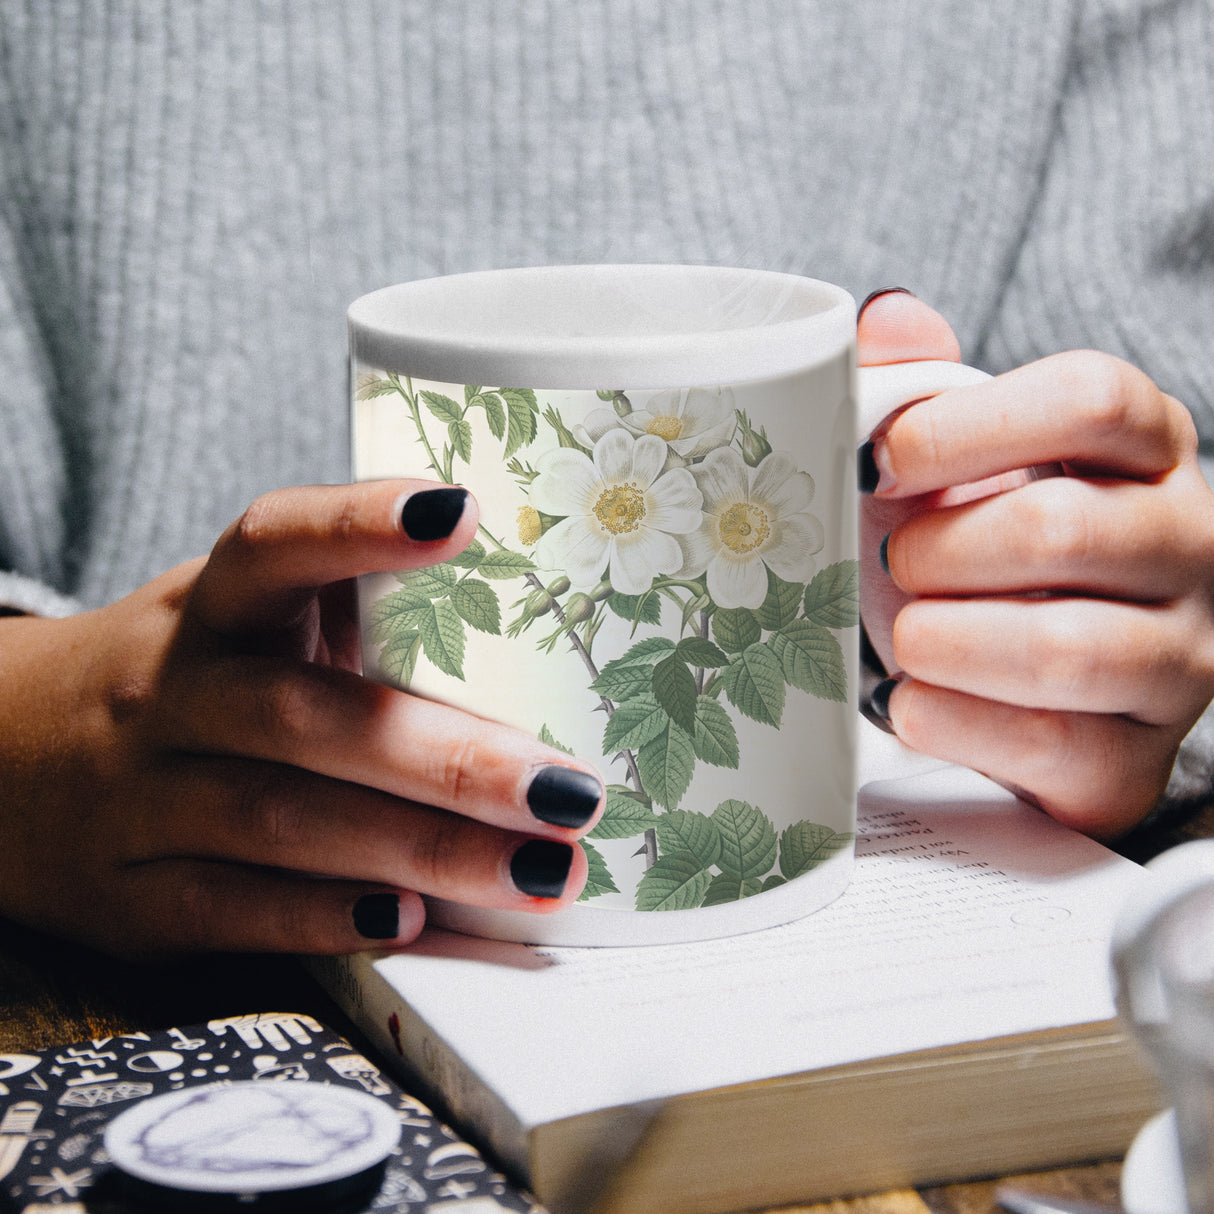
(1163, 960)
(664, 460)
(253, 1137)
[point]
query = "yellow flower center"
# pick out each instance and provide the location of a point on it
(529, 526)
(667, 428)
(744, 527)
(620, 508)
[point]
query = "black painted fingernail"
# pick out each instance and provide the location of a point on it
(878, 293)
(880, 697)
(377, 916)
(884, 554)
(867, 472)
(433, 514)
(562, 796)
(541, 867)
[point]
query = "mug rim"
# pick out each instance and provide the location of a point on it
(535, 327)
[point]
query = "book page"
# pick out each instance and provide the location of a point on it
(969, 916)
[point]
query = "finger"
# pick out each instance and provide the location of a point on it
(893, 327)
(338, 724)
(1096, 773)
(269, 563)
(1114, 538)
(267, 814)
(1152, 663)
(1090, 412)
(176, 907)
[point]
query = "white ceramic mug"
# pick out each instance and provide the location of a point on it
(665, 580)
(1163, 959)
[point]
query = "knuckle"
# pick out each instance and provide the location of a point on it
(1052, 528)
(133, 696)
(918, 443)
(436, 852)
(457, 770)
(1067, 662)
(270, 809)
(257, 525)
(1106, 391)
(282, 708)
(346, 524)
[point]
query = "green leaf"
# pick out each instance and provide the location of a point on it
(748, 839)
(398, 658)
(772, 882)
(523, 396)
(675, 882)
(495, 412)
(636, 608)
(470, 557)
(477, 605)
(734, 628)
(372, 385)
(782, 603)
(715, 740)
(621, 683)
(520, 419)
(726, 887)
(546, 737)
(754, 683)
(623, 817)
(443, 407)
(696, 651)
(442, 633)
(621, 674)
(666, 764)
(633, 724)
(683, 831)
(811, 659)
(804, 845)
(460, 432)
(505, 564)
(643, 653)
(394, 613)
(832, 599)
(599, 879)
(674, 687)
(432, 582)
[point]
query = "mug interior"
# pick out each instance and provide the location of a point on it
(582, 326)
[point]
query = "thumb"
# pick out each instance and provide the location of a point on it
(894, 327)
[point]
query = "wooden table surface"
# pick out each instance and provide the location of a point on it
(52, 993)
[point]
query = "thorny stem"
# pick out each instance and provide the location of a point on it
(651, 843)
(410, 396)
(608, 707)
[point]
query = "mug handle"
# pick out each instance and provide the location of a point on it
(883, 390)
(880, 392)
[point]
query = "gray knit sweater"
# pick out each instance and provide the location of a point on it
(191, 191)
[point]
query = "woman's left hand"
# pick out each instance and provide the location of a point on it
(1055, 632)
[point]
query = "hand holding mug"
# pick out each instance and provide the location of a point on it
(1054, 632)
(199, 766)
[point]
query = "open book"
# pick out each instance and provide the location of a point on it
(950, 1015)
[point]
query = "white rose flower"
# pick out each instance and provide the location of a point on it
(755, 519)
(691, 422)
(621, 511)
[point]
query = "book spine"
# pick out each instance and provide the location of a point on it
(422, 1060)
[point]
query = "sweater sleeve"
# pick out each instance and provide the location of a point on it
(34, 541)
(1118, 253)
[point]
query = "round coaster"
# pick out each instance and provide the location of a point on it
(251, 1138)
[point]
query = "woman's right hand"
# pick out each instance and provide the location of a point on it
(200, 766)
